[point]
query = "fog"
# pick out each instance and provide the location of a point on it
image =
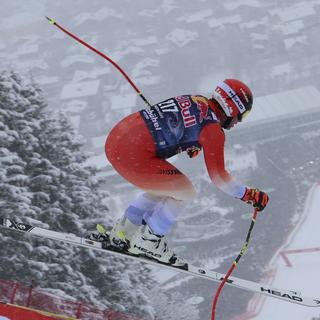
(169, 48)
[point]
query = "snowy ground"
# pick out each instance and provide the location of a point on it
(172, 47)
(301, 276)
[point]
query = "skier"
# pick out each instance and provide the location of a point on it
(138, 146)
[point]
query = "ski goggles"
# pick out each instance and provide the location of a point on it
(243, 115)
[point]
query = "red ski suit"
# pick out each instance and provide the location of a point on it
(131, 150)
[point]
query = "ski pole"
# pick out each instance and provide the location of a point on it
(54, 22)
(234, 264)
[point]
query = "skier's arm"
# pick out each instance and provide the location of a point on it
(212, 140)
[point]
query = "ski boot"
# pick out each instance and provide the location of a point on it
(101, 236)
(148, 244)
(121, 233)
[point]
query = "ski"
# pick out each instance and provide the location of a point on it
(283, 294)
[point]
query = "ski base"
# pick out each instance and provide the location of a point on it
(101, 243)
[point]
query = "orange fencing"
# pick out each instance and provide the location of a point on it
(9, 312)
(18, 294)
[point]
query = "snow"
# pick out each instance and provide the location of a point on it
(74, 106)
(165, 7)
(106, 174)
(148, 13)
(27, 48)
(259, 36)
(281, 69)
(122, 185)
(132, 33)
(195, 300)
(19, 20)
(99, 15)
(168, 5)
(181, 37)
(98, 142)
(77, 58)
(80, 89)
(123, 101)
(251, 24)
(140, 67)
(75, 121)
(162, 275)
(296, 40)
(291, 27)
(148, 80)
(239, 162)
(206, 232)
(143, 76)
(145, 41)
(284, 104)
(294, 12)
(176, 283)
(163, 50)
(236, 4)
(81, 75)
(303, 275)
(44, 80)
(26, 65)
(128, 50)
(214, 22)
(196, 17)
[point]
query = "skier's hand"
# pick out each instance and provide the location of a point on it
(193, 152)
(257, 198)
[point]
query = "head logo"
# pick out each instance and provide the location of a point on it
(239, 104)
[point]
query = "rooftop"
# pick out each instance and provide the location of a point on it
(284, 104)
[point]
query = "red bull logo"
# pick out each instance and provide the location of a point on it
(203, 107)
(184, 104)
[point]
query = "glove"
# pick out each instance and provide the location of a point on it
(257, 198)
(193, 152)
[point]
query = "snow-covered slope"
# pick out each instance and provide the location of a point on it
(173, 47)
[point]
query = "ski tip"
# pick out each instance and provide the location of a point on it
(51, 21)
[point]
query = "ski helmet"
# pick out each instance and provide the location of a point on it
(234, 98)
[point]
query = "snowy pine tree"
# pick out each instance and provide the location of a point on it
(44, 180)
(173, 305)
